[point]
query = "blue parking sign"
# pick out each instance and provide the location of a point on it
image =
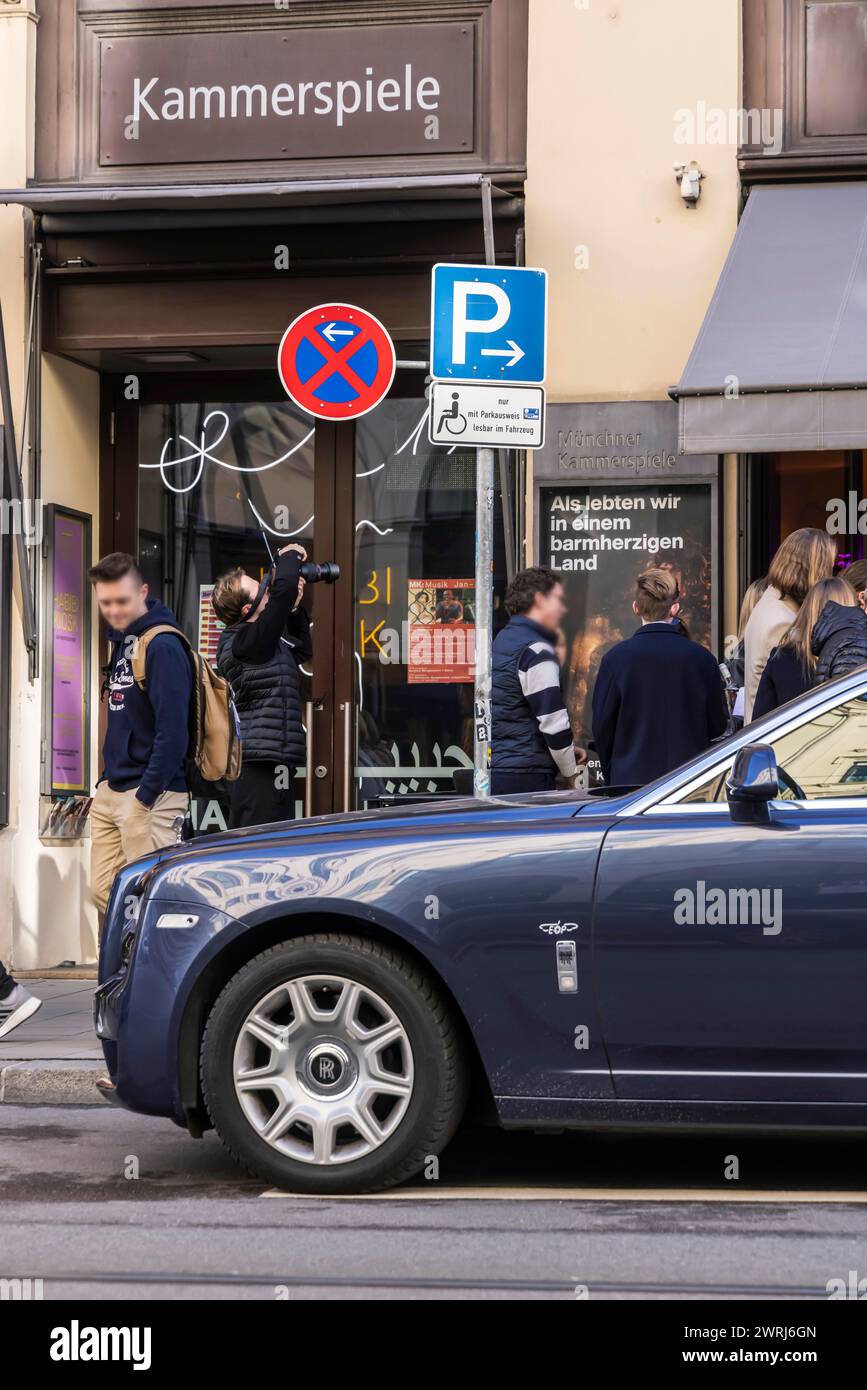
(489, 323)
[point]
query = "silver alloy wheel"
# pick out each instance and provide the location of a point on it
(323, 1069)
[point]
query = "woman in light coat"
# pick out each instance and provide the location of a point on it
(805, 557)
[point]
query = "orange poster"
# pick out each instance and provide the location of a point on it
(442, 631)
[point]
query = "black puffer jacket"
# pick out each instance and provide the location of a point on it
(268, 700)
(839, 641)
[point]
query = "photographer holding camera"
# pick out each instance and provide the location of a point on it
(267, 634)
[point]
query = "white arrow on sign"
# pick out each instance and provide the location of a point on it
(512, 351)
(331, 331)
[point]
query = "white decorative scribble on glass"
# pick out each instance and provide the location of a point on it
(203, 452)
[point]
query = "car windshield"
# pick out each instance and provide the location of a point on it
(820, 758)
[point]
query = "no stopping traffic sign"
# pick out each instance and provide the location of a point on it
(336, 361)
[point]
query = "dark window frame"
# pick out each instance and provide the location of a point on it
(775, 77)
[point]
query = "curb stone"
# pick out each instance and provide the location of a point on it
(50, 1083)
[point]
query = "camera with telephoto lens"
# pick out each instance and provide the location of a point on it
(326, 573)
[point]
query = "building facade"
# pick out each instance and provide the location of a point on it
(705, 240)
(182, 179)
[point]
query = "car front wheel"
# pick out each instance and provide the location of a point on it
(332, 1064)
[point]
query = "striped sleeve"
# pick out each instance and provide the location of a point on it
(539, 675)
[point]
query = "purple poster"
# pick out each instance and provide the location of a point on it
(69, 772)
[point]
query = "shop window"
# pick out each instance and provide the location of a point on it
(789, 491)
(415, 607)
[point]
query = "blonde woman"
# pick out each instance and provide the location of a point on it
(804, 558)
(735, 666)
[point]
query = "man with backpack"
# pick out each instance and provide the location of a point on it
(143, 789)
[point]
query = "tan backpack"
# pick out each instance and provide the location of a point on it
(216, 749)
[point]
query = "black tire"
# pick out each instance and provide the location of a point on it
(440, 1081)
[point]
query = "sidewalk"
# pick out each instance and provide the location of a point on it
(54, 1058)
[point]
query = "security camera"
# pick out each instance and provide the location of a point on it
(689, 176)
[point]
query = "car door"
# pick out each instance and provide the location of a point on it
(731, 959)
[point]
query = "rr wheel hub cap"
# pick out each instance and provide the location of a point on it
(327, 1069)
(323, 1069)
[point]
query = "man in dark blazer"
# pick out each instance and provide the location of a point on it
(659, 698)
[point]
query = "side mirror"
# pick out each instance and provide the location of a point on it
(752, 783)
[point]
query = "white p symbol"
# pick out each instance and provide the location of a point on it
(462, 324)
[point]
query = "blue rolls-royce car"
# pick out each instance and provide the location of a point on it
(332, 996)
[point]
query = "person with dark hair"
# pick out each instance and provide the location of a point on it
(449, 609)
(267, 634)
(143, 789)
(17, 1004)
(531, 733)
(659, 698)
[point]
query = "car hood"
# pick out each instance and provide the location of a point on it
(435, 816)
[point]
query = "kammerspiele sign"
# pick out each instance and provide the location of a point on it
(286, 94)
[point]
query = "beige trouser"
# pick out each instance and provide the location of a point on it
(122, 829)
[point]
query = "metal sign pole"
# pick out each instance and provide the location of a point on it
(484, 618)
(484, 566)
(487, 389)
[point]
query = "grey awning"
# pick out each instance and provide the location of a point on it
(275, 194)
(780, 363)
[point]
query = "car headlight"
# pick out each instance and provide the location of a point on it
(122, 916)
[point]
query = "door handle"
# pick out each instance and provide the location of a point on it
(347, 755)
(311, 708)
(308, 780)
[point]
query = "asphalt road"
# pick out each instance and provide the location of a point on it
(511, 1216)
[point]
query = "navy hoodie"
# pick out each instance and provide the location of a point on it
(148, 730)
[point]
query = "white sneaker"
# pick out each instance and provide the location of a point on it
(15, 1008)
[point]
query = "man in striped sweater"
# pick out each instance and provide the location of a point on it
(531, 734)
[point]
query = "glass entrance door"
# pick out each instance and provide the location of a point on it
(222, 484)
(211, 472)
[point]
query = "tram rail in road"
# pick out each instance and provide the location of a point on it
(436, 1192)
(447, 1287)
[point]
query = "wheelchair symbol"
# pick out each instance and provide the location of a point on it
(452, 420)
